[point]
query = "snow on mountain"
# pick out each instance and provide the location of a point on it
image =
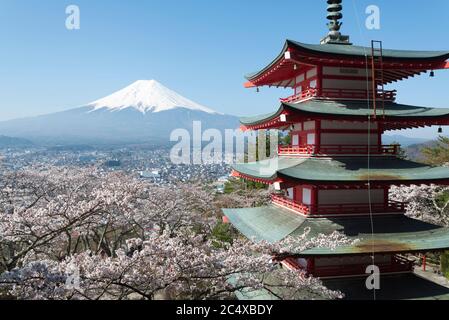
(147, 96)
(144, 112)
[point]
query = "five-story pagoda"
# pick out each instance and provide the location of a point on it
(336, 174)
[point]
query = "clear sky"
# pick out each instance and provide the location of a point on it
(199, 48)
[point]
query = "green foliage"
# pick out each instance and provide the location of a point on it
(240, 184)
(251, 185)
(229, 187)
(402, 154)
(438, 154)
(442, 198)
(285, 140)
(445, 264)
(234, 185)
(267, 147)
(222, 232)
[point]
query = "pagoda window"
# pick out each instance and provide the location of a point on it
(300, 78)
(290, 193)
(295, 139)
(297, 126)
(309, 125)
(307, 196)
(311, 138)
(312, 73)
(305, 81)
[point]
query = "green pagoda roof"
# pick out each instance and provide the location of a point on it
(343, 170)
(353, 109)
(336, 50)
(392, 233)
(405, 286)
(351, 50)
(274, 281)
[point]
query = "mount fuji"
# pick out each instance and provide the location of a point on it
(143, 112)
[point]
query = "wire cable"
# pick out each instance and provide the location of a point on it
(369, 143)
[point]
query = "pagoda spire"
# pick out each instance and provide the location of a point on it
(334, 8)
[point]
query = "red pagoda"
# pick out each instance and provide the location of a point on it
(336, 174)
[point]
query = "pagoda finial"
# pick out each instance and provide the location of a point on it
(334, 36)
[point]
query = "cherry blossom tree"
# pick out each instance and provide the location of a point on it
(425, 202)
(170, 267)
(85, 234)
(59, 212)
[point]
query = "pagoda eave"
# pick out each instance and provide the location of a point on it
(393, 116)
(295, 56)
(374, 183)
(343, 171)
(393, 233)
(285, 182)
(266, 181)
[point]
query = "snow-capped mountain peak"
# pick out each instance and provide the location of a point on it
(147, 96)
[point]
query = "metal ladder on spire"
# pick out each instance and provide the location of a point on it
(377, 74)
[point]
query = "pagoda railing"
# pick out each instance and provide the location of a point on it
(338, 149)
(397, 265)
(301, 96)
(340, 94)
(332, 209)
(288, 203)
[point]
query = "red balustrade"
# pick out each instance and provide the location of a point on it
(303, 95)
(340, 94)
(336, 209)
(338, 149)
(396, 265)
(285, 202)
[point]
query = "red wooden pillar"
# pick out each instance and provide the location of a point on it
(319, 83)
(318, 136)
(314, 202)
(311, 265)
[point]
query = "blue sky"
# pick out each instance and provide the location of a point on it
(199, 48)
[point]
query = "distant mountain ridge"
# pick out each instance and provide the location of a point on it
(8, 142)
(144, 112)
(403, 140)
